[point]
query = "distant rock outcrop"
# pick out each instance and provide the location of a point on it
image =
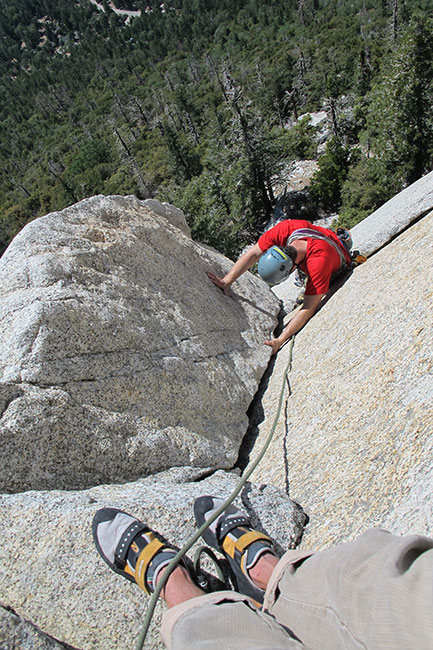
(118, 356)
(394, 216)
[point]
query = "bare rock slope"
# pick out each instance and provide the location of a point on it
(388, 221)
(53, 577)
(118, 357)
(354, 441)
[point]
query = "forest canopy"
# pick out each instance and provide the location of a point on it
(197, 102)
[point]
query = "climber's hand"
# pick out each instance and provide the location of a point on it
(275, 344)
(222, 283)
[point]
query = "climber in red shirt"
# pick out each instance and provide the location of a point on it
(292, 243)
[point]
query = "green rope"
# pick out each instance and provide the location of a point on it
(185, 548)
(205, 550)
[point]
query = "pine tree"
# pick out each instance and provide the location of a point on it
(400, 120)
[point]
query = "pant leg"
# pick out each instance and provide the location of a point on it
(374, 593)
(223, 620)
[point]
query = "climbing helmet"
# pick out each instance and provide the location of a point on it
(275, 265)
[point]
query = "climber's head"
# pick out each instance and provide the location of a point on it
(277, 263)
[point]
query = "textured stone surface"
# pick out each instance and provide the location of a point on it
(18, 634)
(52, 575)
(394, 216)
(118, 356)
(354, 443)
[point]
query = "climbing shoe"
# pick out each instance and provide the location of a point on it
(130, 548)
(231, 533)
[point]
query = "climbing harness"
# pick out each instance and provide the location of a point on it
(175, 561)
(309, 233)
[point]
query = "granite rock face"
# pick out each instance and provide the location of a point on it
(18, 634)
(394, 216)
(53, 576)
(354, 441)
(118, 356)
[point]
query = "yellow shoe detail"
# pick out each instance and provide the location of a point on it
(144, 559)
(247, 539)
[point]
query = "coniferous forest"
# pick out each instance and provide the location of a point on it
(196, 102)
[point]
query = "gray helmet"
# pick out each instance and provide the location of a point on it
(275, 265)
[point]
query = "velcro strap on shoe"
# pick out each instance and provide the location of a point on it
(247, 539)
(122, 548)
(144, 559)
(230, 546)
(232, 522)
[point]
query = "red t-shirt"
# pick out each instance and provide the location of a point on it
(321, 259)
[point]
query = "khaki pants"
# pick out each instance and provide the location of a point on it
(375, 592)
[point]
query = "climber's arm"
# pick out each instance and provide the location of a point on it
(297, 322)
(245, 262)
